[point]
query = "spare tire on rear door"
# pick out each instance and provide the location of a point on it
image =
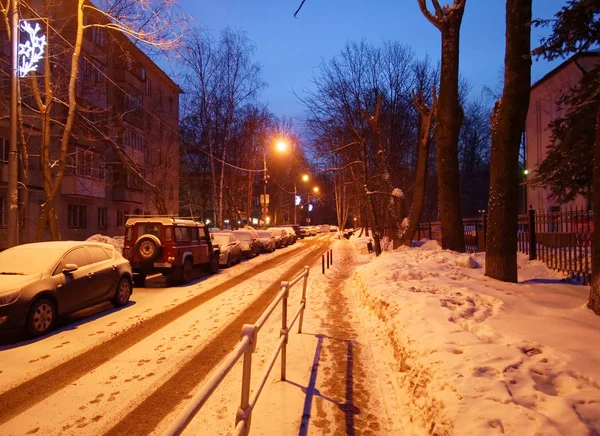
(147, 247)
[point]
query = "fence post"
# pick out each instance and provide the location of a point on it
(303, 300)
(244, 413)
(532, 238)
(327, 259)
(284, 306)
(331, 256)
(323, 263)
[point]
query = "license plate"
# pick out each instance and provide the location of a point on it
(162, 265)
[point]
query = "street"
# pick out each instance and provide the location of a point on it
(118, 371)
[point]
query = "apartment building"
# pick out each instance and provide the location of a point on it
(125, 101)
(543, 109)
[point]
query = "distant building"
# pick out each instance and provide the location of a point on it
(123, 95)
(543, 109)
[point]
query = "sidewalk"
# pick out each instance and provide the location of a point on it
(334, 385)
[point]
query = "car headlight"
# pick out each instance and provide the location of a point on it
(9, 297)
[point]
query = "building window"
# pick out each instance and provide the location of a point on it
(102, 217)
(76, 216)
(87, 163)
(2, 212)
(121, 217)
(133, 138)
(148, 87)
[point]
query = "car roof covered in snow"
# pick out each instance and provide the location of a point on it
(166, 220)
(59, 245)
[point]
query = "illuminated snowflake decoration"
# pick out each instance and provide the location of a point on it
(310, 207)
(298, 200)
(31, 51)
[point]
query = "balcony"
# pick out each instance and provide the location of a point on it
(121, 193)
(83, 187)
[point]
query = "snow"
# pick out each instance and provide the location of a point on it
(415, 341)
(471, 355)
(116, 241)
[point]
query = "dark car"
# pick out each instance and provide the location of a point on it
(298, 231)
(250, 243)
(229, 246)
(170, 246)
(41, 281)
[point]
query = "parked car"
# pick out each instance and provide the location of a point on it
(170, 246)
(283, 235)
(305, 231)
(230, 248)
(41, 281)
(334, 229)
(250, 244)
(313, 231)
(291, 234)
(298, 231)
(323, 228)
(266, 240)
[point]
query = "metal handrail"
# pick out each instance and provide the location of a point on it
(246, 348)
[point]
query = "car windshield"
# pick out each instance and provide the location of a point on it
(221, 239)
(243, 236)
(264, 234)
(148, 228)
(26, 260)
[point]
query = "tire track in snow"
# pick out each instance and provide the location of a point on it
(151, 411)
(25, 395)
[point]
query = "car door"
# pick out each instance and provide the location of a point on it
(204, 255)
(106, 274)
(73, 290)
(235, 248)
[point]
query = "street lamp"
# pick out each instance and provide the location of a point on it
(281, 146)
(305, 178)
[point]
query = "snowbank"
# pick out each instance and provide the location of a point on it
(116, 242)
(476, 356)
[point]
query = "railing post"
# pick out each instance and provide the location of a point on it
(327, 259)
(285, 286)
(303, 300)
(331, 256)
(532, 237)
(244, 413)
(323, 264)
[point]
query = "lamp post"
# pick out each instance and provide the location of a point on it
(13, 162)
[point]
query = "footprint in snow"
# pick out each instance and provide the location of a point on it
(33, 431)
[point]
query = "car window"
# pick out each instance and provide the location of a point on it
(98, 254)
(193, 234)
(168, 233)
(181, 234)
(129, 233)
(109, 252)
(202, 231)
(148, 229)
(78, 256)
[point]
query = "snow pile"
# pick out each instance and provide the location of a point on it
(472, 355)
(116, 242)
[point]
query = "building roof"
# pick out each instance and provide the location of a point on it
(589, 53)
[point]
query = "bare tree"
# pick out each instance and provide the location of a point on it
(449, 118)
(427, 113)
(508, 122)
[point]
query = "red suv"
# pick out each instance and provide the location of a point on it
(168, 245)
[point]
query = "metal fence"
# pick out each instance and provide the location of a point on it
(246, 348)
(562, 239)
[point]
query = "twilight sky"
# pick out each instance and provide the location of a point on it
(290, 49)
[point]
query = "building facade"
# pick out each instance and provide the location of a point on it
(128, 110)
(543, 109)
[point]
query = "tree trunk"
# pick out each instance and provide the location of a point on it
(594, 302)
(508, 122)
(447, 129)
(426, 117)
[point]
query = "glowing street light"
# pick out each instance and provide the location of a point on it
(281, 146)
(316, 189)
(305, 178)
(526, 171)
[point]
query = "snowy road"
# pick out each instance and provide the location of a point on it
(109, 371)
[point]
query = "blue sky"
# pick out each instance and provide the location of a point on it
(290, 49)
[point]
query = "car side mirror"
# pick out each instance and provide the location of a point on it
(69, 268)
(232, 243)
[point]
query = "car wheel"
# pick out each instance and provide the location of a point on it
(229, 260)
(139, 280)
(122, 293)
(186, 275)
(41, 317)
(214, 264)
